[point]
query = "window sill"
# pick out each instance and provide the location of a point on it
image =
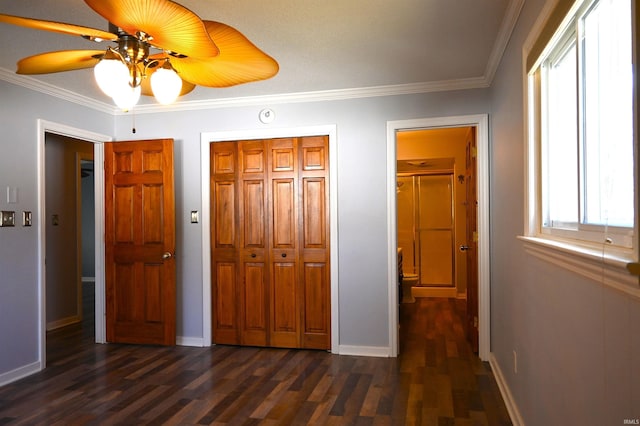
(608, 269)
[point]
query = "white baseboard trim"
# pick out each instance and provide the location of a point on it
(19, 373)
(374, 351)
(63, 322)
(512, 408)
(190, 341)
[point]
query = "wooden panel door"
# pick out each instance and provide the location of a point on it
(270, 251)
(314, 243)
(284, 306)
(140, 242)
(472, 242)
(224, 241)
(254, 275)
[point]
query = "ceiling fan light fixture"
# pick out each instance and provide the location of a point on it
(111, 73)
(166, 84)
(127, 97)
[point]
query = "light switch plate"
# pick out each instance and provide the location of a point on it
(26, 218)
(195, 216)
(7, 218)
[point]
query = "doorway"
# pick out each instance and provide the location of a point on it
(67, 161)
(43, 219)
(394, 128)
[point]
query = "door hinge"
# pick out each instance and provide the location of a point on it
(475, 236)
(474, 152)
(475, 322)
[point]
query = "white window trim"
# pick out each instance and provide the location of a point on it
(599, 262)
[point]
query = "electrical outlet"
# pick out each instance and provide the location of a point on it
(515, 361)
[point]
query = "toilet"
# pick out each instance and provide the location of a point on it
(408, 281)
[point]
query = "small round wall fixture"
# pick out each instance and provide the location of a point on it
(267, 115)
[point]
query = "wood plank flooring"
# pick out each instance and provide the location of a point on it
(435, 381)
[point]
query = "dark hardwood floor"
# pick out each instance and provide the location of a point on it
(436, 380)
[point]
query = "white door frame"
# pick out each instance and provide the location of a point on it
(481, 123)
(205, 140)
(97, 139)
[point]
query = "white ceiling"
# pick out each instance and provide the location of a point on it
(321, 45)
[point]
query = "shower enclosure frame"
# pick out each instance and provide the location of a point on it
(416, 252)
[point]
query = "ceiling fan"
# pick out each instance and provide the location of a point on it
(162, 49)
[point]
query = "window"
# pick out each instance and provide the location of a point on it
(581, 127)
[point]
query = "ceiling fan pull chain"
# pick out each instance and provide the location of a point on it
(133, 120)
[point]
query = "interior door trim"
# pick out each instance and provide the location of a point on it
(481, 122)
(206, 138)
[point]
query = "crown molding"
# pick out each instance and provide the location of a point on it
(55, 91)
(298, 97)
(318, 96)
(504, 35)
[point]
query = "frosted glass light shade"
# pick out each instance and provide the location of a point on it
(111, 75)
(127, 97)
(166, 85)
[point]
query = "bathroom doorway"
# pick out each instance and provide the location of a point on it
(435, 215)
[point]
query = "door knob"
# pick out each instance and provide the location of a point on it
(464, 248)
(167, 255)
(253, 255)
(284, 254)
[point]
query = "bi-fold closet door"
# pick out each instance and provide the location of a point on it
(270, 253)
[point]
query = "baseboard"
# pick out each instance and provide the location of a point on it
(190, 341)
(512, 408)
(19, 373)
(373, 351)
(63, 322)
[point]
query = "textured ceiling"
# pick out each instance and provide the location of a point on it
(320, 45)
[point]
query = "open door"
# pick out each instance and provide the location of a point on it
(472, 241)
(140, 242)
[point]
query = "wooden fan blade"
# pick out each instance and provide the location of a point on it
(59, 27)
(171, 26)
(145, 86)
(239, 61)
(63, 60)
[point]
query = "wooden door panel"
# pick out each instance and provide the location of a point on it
(223, 160)
(253, 305)
(152, 222)
(252, 157)
(282, 159)
(316, 306)
(314, 252)
(284, 218)
(472, 242)
(314, 154)
(314, 220)
(225, 324)
(253, 222)
(224, 214)
(284, 306)
(124, 222)
(139, 230)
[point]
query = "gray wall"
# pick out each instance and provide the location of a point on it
(19, 111)
(577, 341)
